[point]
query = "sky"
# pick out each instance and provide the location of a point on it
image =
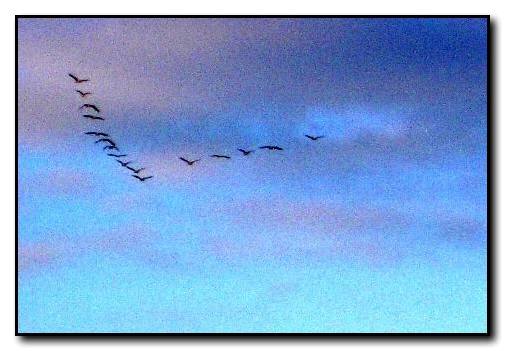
(380, 226)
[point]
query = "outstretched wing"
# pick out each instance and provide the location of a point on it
(106, 140)
(93, 117)
(74, 77)
(94, 107)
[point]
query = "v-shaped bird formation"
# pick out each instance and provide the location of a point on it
(103, 138)
(110, 145)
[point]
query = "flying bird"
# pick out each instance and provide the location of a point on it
(245, 152)
(271, 147)
(141, 178)
(110, 147)
(190, 163)
(314, 137)
(136, 171)
(93, 117)
(124, 164)
(98, 134)
(220, 156)
(106, 140)
(78, 80)
(92, 106)
(82, 93)
(117, 156)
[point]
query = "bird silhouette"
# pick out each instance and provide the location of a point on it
(314, 137)
(124, 164)
(136, 171)
(271, 147)
(142, 179)
(245, 152)
(93, 117)
(78, 80)
(98, 134)
(106, 140)
(111, 147)
(91, 106)
(82, 93)
(220, 156)
(190, 163)
(117, 156)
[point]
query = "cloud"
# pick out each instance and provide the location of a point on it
(311, 230)
(59, 182)
(37, 255)
(462, 229)
(166, 72)
(134, 240)
(162, 66)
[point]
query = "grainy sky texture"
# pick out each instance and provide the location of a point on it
(378, 227)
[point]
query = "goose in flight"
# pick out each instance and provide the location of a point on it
(245, 152)
(271, 147)
(124, 164)
(111, 147)
(93, 117)
(106, 140)
(220, 156)
(314, 137)
(82, 93)
(117, 156)
(141, 178)
(190, 163)
(78, 80)
(98, 134)
(94, 107)
(136, 171)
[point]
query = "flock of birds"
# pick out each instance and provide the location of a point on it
(111, 145)
(248, 152)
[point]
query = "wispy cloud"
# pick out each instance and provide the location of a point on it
(57, 250)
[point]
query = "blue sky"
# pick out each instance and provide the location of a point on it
(378, 227)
